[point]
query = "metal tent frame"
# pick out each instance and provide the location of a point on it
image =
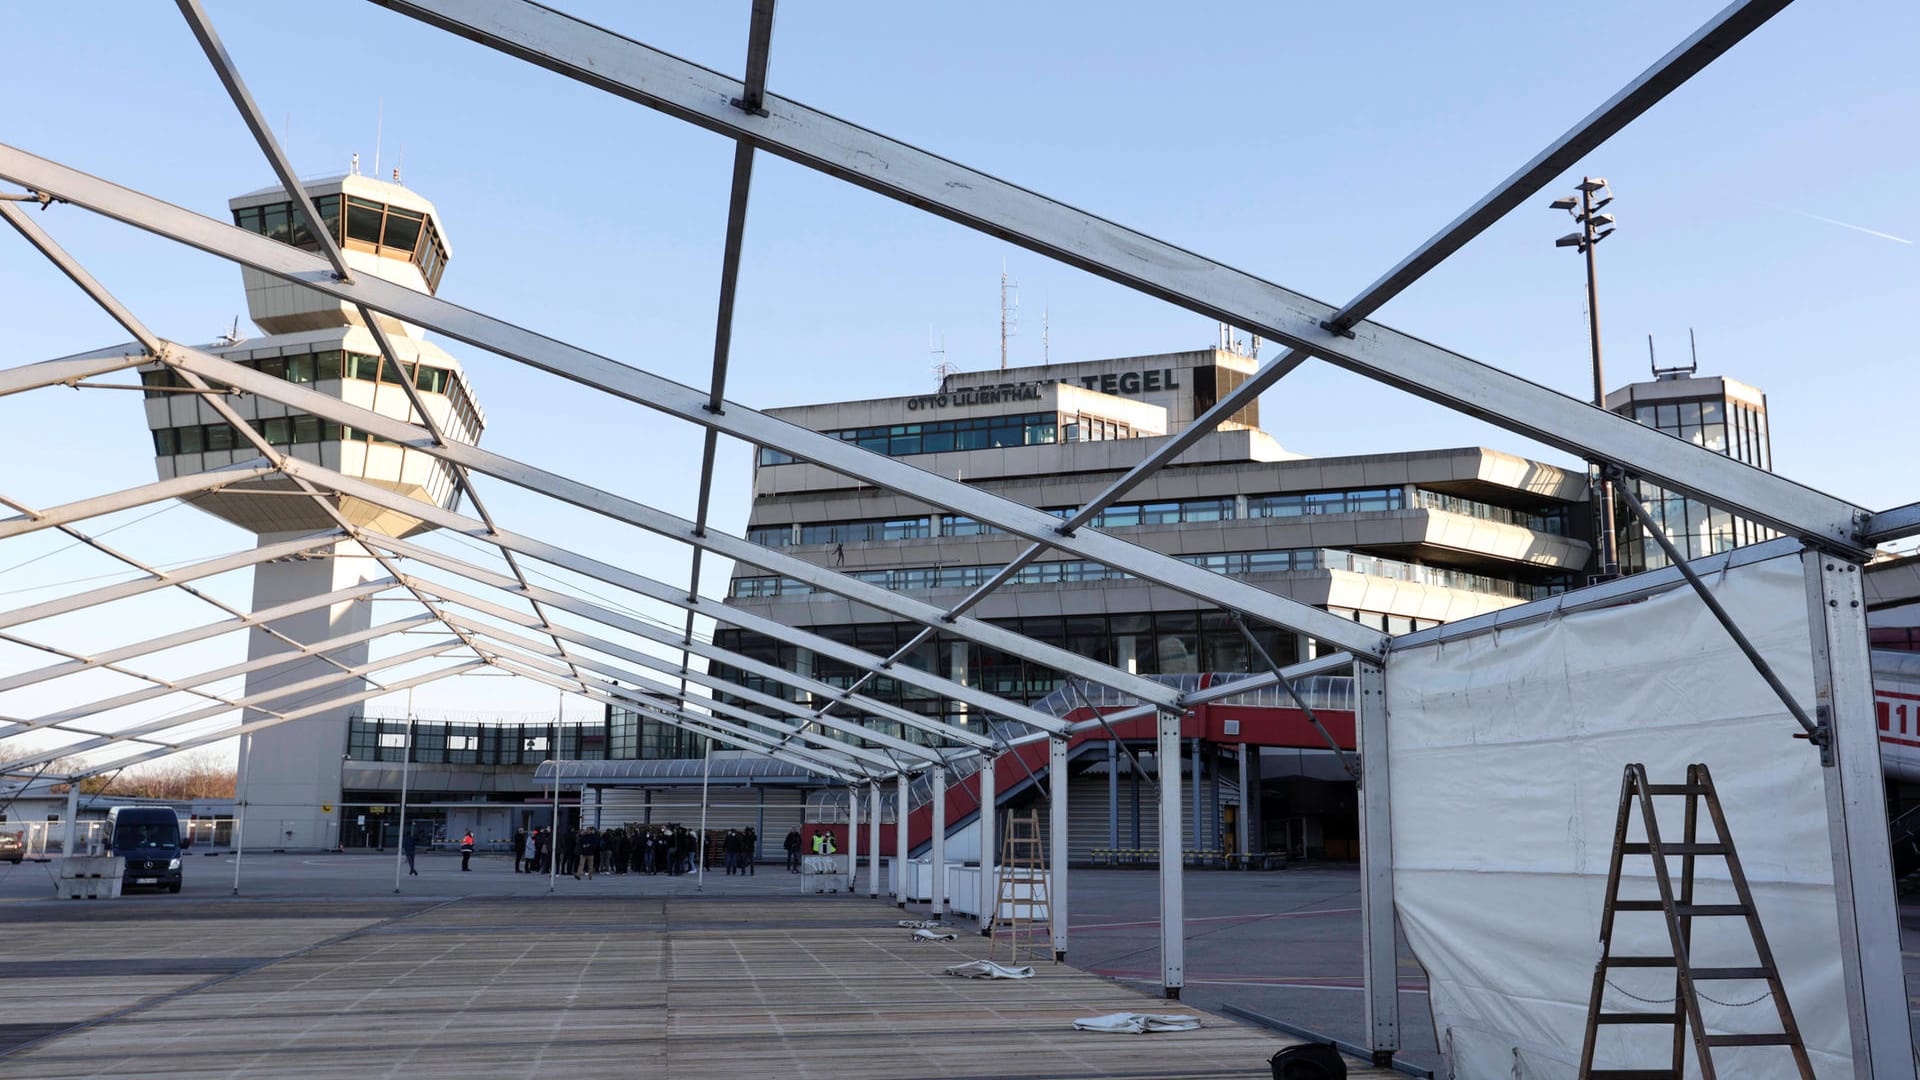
(591, 663)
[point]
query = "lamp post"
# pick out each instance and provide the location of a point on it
(1594, 227)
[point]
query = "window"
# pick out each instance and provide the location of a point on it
(939, 436)
(363, 220)
(403, 229)
(1326, 502)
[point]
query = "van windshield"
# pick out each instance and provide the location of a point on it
(142, 834)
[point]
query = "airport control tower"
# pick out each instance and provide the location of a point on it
(291, 779)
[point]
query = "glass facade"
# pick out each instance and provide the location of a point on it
(1231, 563)
(322, 366)
(369, 226)
(1697, 528)
(940, 436)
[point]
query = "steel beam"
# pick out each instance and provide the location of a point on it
(250, 726)
(873, 840)
(937, 778)
(634, 71)
(657, 590)
(734, 735)
(1173, 918)
(989, 796)
(69, 370)
(187, 637)
(145, 494)
(1863, 877)
(1895, 524)
(163, 688)
(614, 619)
(501, 638)
(292, 264)
(253, 701)
(165, 579)
(1379, 955)
(223, 66)
(654, 520)
(900, 867)
(1059, 846)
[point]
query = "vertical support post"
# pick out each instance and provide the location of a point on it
(1199, 819)
(1113, 793)
(759, 825)
(406, 761)
(938, 890)
(989, 894)
(553, 831)
(1057, 846)
(853, 837)
(699, 842)
(1379, 960)
(1172, 901)
(900, 794)
(1240, 819)
(873, 840)
(1857, 819)
(70, 836)
(240, 810)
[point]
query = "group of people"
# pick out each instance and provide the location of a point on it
(637, 849)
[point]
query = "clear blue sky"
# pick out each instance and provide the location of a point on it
(1311, 144)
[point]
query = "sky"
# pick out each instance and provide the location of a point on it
(1766, 206)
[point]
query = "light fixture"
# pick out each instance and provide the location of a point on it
(1566, 204)
(1592, 183)
(1600, 220)
(1572, 239)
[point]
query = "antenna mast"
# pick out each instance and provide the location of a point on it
(1009, 315)
(941, 366)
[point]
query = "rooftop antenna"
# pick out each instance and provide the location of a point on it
(1046, 337)
(942, 367)
(379, 123)
(399, 159)
(355, 166)
(1009, 316)
(1670, 373)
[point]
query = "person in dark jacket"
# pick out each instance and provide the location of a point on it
(589, 852)
(410, 846)
(730, 851)
(749, 848)
(569, 852)
(466, 850)
(792, 844)
(519, 841)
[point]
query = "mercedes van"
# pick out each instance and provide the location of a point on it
(148, 837)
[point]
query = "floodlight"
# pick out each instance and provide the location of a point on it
(1572, 239)
(1597, 237)
(1566, 204)
(1602, 219)
(1592, 183)
(1602, 202)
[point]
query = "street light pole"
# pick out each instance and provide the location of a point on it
(1584, 210)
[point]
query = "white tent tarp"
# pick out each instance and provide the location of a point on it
(1506, 756)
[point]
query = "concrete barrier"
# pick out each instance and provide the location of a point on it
(90, 877)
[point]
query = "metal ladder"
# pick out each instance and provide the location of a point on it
(1023, 894)
(1679, 912)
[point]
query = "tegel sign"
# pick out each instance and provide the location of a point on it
(1132, 382)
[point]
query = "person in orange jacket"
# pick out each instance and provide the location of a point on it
(466, 850)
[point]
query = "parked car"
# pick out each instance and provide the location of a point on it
(148, 837)
(11, 849)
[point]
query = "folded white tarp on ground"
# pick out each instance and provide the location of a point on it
(933, 935)
(1506, 753)
(920, 924)
(987, 969)
(1126, 1023)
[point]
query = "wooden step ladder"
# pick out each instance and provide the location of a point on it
(1679, 911)
(1023, 897)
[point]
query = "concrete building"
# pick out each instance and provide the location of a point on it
(1397, 541)
(287, 778)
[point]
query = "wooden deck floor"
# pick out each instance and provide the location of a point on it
(708, 987)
